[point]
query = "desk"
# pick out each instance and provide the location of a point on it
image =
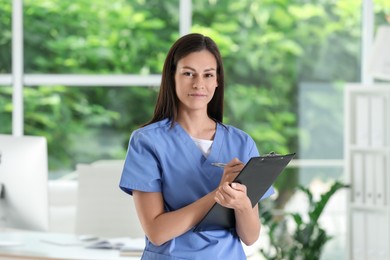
(33, 247)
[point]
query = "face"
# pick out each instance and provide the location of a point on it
(196, 80)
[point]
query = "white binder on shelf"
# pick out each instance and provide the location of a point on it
(369, 182)
(383, 251)
(379, 176)
(357, 178)
(377, 119)
(358, 243)
(362, 116)
(377, 235)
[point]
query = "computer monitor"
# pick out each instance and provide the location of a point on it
(23, 182)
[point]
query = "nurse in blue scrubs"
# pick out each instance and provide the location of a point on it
(168, 168)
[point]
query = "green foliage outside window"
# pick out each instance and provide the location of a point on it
(268, 47)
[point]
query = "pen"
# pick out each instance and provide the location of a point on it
(218, 164)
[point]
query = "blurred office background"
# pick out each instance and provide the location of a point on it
(85, 74)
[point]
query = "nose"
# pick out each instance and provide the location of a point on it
(198, 83)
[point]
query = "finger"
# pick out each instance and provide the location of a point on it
(234, 162)
(238, 187)
(228, 192)
(233, 169)
(237, 168)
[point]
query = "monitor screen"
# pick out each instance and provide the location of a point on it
(23, 182)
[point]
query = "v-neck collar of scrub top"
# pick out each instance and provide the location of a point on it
(195, 151)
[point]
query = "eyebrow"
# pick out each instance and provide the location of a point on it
(190, 68)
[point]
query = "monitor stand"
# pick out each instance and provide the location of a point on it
(2, 212)
(1, 190)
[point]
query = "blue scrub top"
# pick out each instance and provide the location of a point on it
(165, 159)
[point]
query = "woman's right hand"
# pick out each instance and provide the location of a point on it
(231, 170)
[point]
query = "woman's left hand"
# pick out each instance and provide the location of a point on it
(233, 196)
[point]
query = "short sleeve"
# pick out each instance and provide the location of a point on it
(253, 152)
(141, 169)
(268, 193)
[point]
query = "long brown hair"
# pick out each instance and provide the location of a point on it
(167, 102)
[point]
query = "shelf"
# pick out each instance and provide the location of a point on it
(367, 168)
(355, 148)
(385, 209)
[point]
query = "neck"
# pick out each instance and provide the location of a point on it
(198, 126)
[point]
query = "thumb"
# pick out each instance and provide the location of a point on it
(238, 186)
(235, 161)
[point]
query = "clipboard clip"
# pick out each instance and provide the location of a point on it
(271, 154)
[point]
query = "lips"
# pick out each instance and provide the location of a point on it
(197, 95)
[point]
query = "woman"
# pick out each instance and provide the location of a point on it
(168, 167)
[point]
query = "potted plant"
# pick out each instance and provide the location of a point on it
(307, 238)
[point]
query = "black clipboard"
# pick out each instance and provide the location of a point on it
(258, 175)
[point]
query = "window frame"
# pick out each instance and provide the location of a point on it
(18, 80)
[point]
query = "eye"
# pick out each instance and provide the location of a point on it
(188, 73)
(209, 75)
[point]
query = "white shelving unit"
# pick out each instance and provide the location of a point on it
(367, 157)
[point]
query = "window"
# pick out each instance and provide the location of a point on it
(93, 68)
(5, 37)
(5, 67)
(285, 64)
(86, 65)
(99, 37)
(6, 110)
